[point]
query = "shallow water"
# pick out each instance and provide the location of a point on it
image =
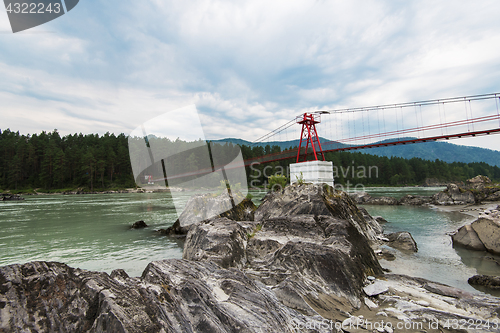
(436, 258)
(88, 231)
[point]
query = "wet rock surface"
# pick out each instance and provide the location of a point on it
(10, 197)
(139, 225)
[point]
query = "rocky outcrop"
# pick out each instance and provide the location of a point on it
(365, 198)
(478, 182)
(476, 191)
(402, 240)
(297, 272)
(139, 225)
(171, 296)
(311, 261)
(316, 199)
(200, 207)
(204, 206)
(10, 197)
(490, 282)
(483, 234)
(454, 195)
(415, 200)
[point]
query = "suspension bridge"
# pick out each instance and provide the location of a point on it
(351, 129)
(390, 124)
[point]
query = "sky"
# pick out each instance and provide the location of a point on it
(247, 66)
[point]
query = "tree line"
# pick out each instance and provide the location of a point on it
(92, 162)
(366, 169)
(49, 161)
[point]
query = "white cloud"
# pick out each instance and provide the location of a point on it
(249, 66)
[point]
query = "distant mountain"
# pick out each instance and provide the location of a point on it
(444, 151)
(281, 144)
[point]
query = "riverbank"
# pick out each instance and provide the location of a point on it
(472, 210)
(149, 189)
(304, 263)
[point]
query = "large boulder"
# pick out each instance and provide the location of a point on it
(415, 200)
(491, 282)
(367, 199)
(482, 234)
(488, 231)
(454, 195)
(478, 182)
(316, 199)
(315, 264)
(201, 207)
(218, 240)
(467, 238)
(402, 240)
(204, 206)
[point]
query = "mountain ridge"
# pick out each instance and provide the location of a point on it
(444, 151)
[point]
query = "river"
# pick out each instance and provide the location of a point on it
(93, 232)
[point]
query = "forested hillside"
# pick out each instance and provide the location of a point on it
(49, 161)
(92, 162)
(361, 168)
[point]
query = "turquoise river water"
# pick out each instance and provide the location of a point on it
(93, 232)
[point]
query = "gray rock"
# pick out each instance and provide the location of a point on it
(494, 196)
(414, 200)
(466, 237)
(380, 219)
(10, 197)
(483, 234)
(50, 297)
(311, 262)
(376, 288)
(139, 225)
(171, 296)
(454, 195)
(382, 201)
(204, 206)
(478, 182)
(360, 197)
(402, 240)
(491, 282)
(370, 304)
(219, 240)
(444, 290)
(317, 199)
(386, 255)
(487, 229)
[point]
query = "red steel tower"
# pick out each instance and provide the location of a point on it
(309, 121)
